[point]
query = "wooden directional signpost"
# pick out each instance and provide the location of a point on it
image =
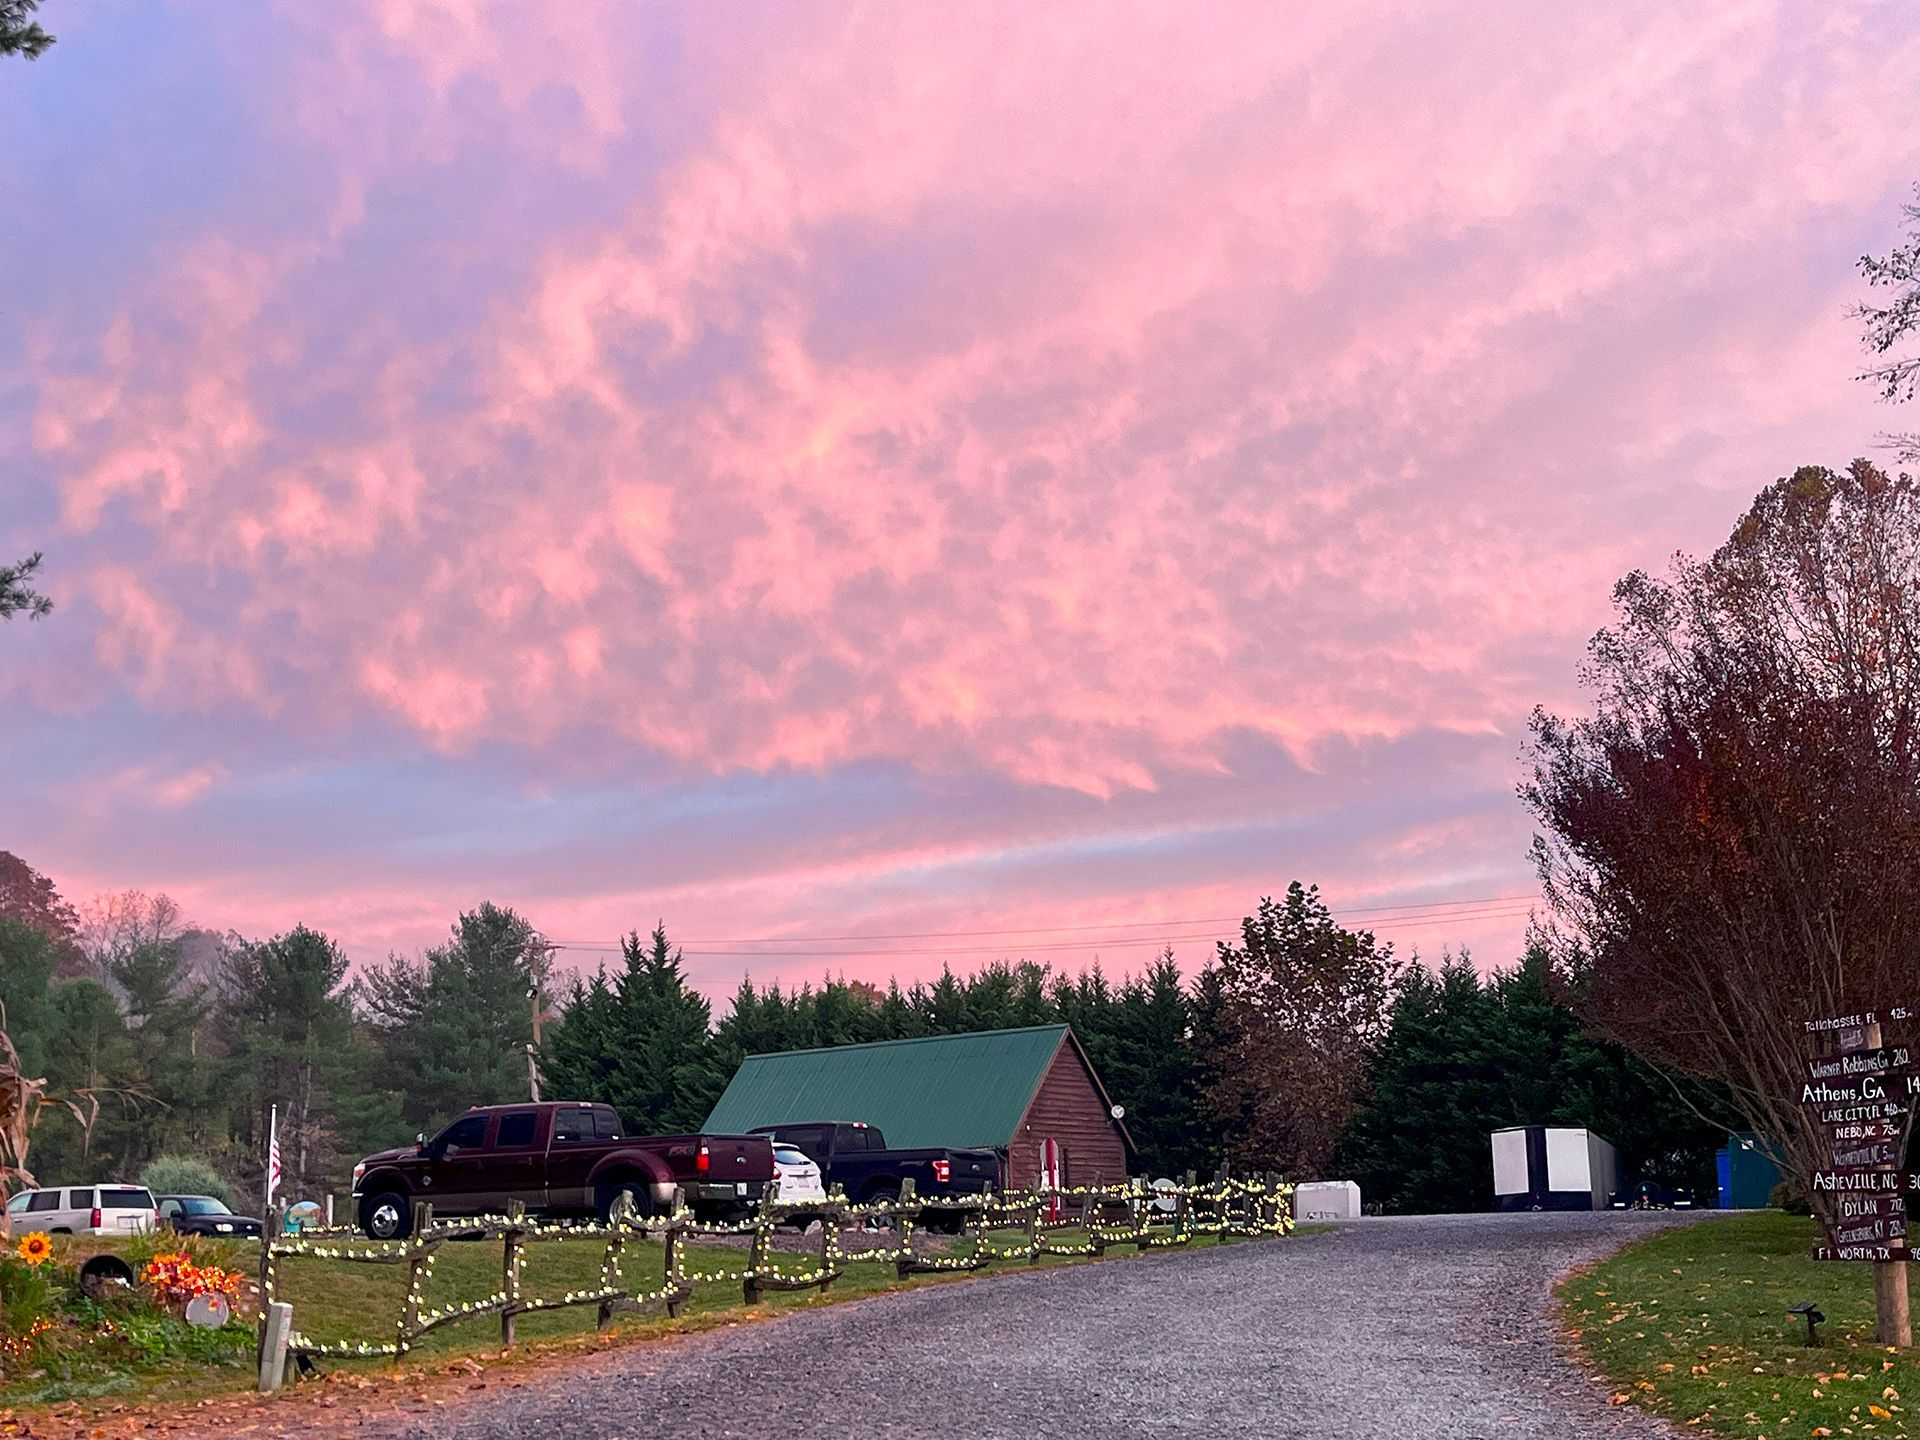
(1861, 1091)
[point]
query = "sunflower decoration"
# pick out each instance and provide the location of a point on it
(35, 1249)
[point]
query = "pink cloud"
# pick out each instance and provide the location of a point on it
(1063, 397)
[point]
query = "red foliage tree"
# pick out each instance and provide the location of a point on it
(27, 895)
(1303, 1002)
(1732, 841)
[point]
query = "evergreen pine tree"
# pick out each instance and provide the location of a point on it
(455, 1026)
(639, 1041)
(28, 958)
(287, 1024)
(164, 1009)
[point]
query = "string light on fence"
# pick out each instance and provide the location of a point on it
(1237, 1208)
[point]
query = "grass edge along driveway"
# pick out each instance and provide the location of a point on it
(1691, 1324)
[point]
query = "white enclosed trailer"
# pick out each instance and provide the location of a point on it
(1549, 1167)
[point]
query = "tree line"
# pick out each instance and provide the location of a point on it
(1299, 1045)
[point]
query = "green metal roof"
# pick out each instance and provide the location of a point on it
(953, 1090)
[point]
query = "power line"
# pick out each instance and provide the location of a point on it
(1408, 911)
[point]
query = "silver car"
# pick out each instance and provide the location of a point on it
(85, 1210)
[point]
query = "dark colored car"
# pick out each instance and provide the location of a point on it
(204, 1215)
(855, 1157)
(562, 1159)
(1652, 1195)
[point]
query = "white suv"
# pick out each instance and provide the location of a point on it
(88, 1210)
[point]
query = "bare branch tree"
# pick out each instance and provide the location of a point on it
(1887, 326)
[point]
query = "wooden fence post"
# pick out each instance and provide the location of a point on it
(672, 1280)
(418, 1258)
(609, 1267)
(1033, 1229)
(510, 1273)
(757, 1254)
(830, 1217)
(903, 1228)
(269, 1232)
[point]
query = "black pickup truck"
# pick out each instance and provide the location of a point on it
(559, 1159)
(855, 1157)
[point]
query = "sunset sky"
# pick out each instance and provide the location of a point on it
(902, 470)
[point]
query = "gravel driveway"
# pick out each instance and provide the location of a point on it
(1419, 1327)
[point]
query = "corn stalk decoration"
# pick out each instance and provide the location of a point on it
(21, 1101)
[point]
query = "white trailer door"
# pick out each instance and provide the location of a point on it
(1510, 1162)
(1569, 1170)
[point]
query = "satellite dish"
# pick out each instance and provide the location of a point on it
(1164, 1195)
(209, 1312)
(1119, 1112)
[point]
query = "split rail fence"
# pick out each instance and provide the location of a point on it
(1109, 1216)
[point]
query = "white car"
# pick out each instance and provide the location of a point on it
(85, 1210)
(798, 1177)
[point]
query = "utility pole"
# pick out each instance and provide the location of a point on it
(539, 961)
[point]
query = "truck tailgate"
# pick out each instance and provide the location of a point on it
(970, 1168)
(739, 1157)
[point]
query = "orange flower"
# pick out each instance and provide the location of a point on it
(35, 1249)
(176, 1277)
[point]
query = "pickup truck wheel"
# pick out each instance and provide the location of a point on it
(386, 1215)
(881, 1195)
(624, 1200)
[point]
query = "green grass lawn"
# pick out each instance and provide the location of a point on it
(341, 1301)
(1692, 1324)
(335, 1301)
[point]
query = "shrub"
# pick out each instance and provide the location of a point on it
(1788, 1196)
(139, 1250)
(25, 1292)
(185, 1175)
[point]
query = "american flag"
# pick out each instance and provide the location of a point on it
(273, 1153)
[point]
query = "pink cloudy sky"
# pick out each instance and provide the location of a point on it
(818, 471)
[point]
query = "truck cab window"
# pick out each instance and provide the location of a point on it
(466, 1133)
(809, 1140)
(606, 1125)
(572, 1127)
(516, 1131)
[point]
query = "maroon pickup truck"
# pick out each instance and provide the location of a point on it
(557, 1159)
